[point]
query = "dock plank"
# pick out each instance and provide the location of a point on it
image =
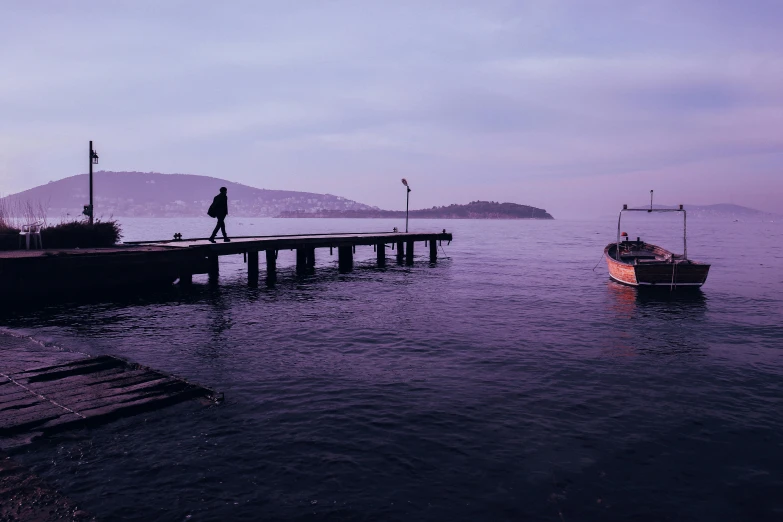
(84, 387)
(95, 365)
(80, 361)
(21, 401)
(142, 404)
(12, 394)
(79, 381)
(121, 395)
(11, 424)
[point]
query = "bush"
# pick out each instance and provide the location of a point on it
(81, 234)
(9, 237)
(69, 234)
(13, 214)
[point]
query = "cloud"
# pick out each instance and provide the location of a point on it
(319, 95)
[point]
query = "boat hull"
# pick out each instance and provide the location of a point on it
(621, 272)
(670, 274)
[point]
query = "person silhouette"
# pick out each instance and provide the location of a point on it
(219, 209)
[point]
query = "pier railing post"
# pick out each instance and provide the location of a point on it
(400, 252)
(345, 258)
(271, 266)
(252, 268)
(409, 253)
(433, 251)
(380, 253)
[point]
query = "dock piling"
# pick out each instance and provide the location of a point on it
(214, 266)
(433, 252)
(271, 266)
(310, 260)
(380, 253)
(400, 252)
(409, 253)
(301, 261)
(252, 268)
(345, 258)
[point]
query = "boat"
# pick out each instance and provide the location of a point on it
(641, 264)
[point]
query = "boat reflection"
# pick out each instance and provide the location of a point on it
(628, 299)
(672, 320)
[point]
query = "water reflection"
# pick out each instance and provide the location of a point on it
(655, 321)
(218, 319)
(627, 300)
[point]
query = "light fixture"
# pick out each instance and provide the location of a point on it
(407, 200)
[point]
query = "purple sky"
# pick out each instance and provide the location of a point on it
(573, 106)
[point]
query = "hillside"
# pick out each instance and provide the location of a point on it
(147, 194)
(473, 210)
(722, 210)
(725, 210)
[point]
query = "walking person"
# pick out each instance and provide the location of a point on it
(219, 209)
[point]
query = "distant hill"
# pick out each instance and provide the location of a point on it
(473, 210)
(149, 194)
(727, 210)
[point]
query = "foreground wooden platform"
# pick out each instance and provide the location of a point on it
(77, 391)
(133, 265)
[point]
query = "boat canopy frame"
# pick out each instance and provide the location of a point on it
(684, 225)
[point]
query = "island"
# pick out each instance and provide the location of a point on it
(472, 210)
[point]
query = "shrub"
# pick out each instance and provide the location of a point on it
(9, 237)
(81, 234)
(67, 234)
(13, 214)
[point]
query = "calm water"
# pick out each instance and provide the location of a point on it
(509, 382)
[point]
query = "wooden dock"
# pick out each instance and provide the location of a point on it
(31, 274)
(402, 245)
(133, 265)
(77, 391)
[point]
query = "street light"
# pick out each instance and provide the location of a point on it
(93, 160)
(407, 200)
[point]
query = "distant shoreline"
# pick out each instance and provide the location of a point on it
(139, 194)
(472, 210)
(499, 218)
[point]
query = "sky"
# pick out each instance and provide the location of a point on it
(574, 106)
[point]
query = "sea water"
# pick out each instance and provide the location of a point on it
(510, 381)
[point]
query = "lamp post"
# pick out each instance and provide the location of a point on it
(407, 200)
(93, 160)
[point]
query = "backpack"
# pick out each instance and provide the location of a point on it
(211, 211)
